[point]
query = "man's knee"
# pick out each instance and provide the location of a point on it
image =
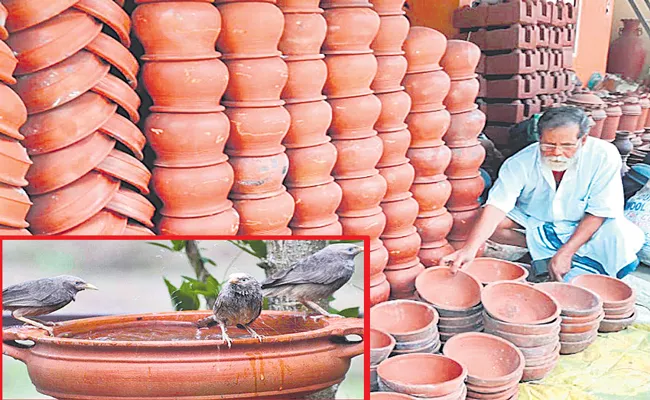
(508, 224)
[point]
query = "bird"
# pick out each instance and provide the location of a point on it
(239, 303)
(315, 277)
(42, 296)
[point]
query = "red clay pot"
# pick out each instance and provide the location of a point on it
(465, 162)
(402, 281)
(464, 221)
(14, 162)
(431, 197)
(113, 52)
(132, 205)
(127, 133)
(378, 260)
(265, 216)
(350, 30)
(403, 251)
(13, 113)
(111, 14)
(461, 59)
(257, 132)
(614, 292)
(256, 82)
(177, 31)
(357, 158)
(306, 81)
(349, 75)
(315, 205)
(424, 48)
(465, 194)
(122, 166)
(334, 229)
(245, 37)
(393, 31)
(430, 163)
(223, 223)
(354, 117)
(388, 7)
(434, 229)
(431, 252)
(299, 6)
(614, 113)
(14, 204)
(372, 225)
(7, 64)
(258, 177)
(539, 308)
(308, 124)
(575, 301)
(326, 4)
(427, 90)
(390, 73)
(303, 35)
(8, 231)
(464, 129)
(598, 116)
(103, 223)
(193, 192)
(395, 147)
(428, 128)
(394, 109)
(3, 18)
(310, 166)
(119, 92)
(645, 107)
(449, 291)
(399, 179)
(199, 85)
(361, 197)
(631, 113)
(23, 14)
(462, 95)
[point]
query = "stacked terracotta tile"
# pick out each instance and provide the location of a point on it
(311, 155)
(77, 83)
(14, 161)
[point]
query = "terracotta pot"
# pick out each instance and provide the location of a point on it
(427, 90)
(223, 223)
(395, 107)
(357, 158)
(388, 7)
(3, 18)
(8, 231)
(14, 162)
(539, 307)
(316, 205)
(428, 128)
(403, 251)
(442, 375)
(349, 75)
(462, 95)
(334, 229)
(326, 4)
(132, 205)
(623, 143)
(434, 229)
(429, 163)
(372, 225)
(390, 73)
(350, 30)
(179, 32)
(245, 37)
(113, 52)
(399, 179)
(111, 14)
(378, 260)
(125, 132)
(610, 126)
(361, 197)
(315, 342)
(461, 59)
(256, 82)
(14, 204)
(390, 38)
(303, 35)
(260, 216)
(598, 116)
(8, 63)
(405, 320)
(431, 252)
(13, 112)
(431, 197)
(614, 292)
(193, 192)
(119, 92)
(465, 162)
(395, 147)
(381, 345)
(122, 166)
(23, 14)
(464, 129)
(631, 113)
(299, 6)
(575, 301)
(379, 294)
(424, 47)
(645, 107)
(463, 223)
(258, 177)
(103, 223)
(200, 85)
(308, 124)
(488, 270)
(257, 132)
(402, 281)
(444, 289)
(306, 81)
(354, 117)
(310, 166)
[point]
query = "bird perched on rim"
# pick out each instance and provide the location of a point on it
(315, 277)
(239, 303)
(41, 297)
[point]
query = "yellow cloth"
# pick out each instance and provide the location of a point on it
(615, 367)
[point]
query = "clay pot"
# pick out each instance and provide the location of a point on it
(388, 7)
(132, 205)
(598, 116)
(124, 167)
(306, 81)
(430, 163)
(390, 73)
(299, 6)
(399, 179)
(113, 52)
(402, 281)
(327, 4)
(631, 114)
(465, 194)
(372, 225)
(349, 75)
(645, 107)
(380, 292)
(303, 35)
(355, 117)
(357, 158)
(434, 229)
(258, 177)
(193, 192)
(3, 18)
(575, 301)
(403, 251)
(256, 82)
(223, 223)
(361, 197)
(310, 166)
(431, 253)
(14, 162)
(443, 289)
(125, 132)
(427, 90)
(119, 92)
(316, 205)
(610, 126)
(465, 162)
(428, 128)
(540, 336)
(103, 223)
(13, 112)
(257, 132)
(464, 129)
(14, 204)
(308, 124)
(424, 47)
(623, 143)
(199, 85)
(614, 292)
(400, 217)
(395, 107)
(488, 270)
(431, 197)
(111, 14)
(396, 145)
(378, 260)
(350, 30)
(8, 231)
(405, 320)
(461, 59)
(381, 345)
(265, 216)
(438, 375)
(23, 14)
(390, 38)
(461, 96)
(187, 140)
(463, 223)
(539, 307)
(334, 229)
(7, 64)
(245, 37)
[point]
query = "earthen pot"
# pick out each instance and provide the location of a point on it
(539, 372)
(631, 114)
(488, 270)
(427, 90)
(310, 166)
(390, 73)
(463, 223)
(199, 85)
(222, 223)
(431, 252)
(462, 95)
(257, 132)
(372, 225)
(354, 117)
(132, 205)
(308, 124)
(299, 6)
(350, 30)
(361, 197)
(357, 158)
(505, 301)
(258, 177)
(395, 107)
(349, 75)
(591, 326)
(424, 47)
(15, 205)
(465, 194)
(245, 37)
(460, 59)
(334, 229)
(402, 281)
(303, 35)
(613, 292)
(575, 301)
(465, 162)
(111, 14)
(545, 331)
(614, 113)
(3, 19)
(326, 4)
(390, 38)
(315, 205)
(403, 251)
(306, 81)
(13, 113)
(119, 92)
(527, 339)
(124, 167)
(388, 7)
(436, 375)
(400, 217)
(455, 292)
(381, 345)
(428, 128)
(380, 292)
(113, 52)
(173, 31)
(396, 145)
(104, 222)
(125, 132)
(399, 179)
(7, 64)
(378, 260)
(436, 228)
(193, 192)
(23, 14)
(430, 163)
(256, 82)
(405, 320)
(261, 216)
(14, 162)
(645, 107)
(465, 128)
(609, 325)
(431, 197)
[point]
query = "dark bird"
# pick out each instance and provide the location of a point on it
(315, 277)
(239, 303)
(41, 297)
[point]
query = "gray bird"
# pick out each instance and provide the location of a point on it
(239, 303)
(315, 277)
(41, 297)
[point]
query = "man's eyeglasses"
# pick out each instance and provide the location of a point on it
(562, 147)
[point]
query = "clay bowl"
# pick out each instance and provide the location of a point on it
(116, 90)
(223, 223)
(14, 162)
(581, 328)
(306, 81)
(258, 177)
(357, 158)
(381, 345)
(619, 313)
(405, 320)
(355, 117)
(316, 205)
(113, 52)
(14, 204)
(256, 82)
(519, 328)
(132, 205)
(349, 75)
(519, 303)
(335, 229)
(310, 166)
(135, 229)
(424, 48)
(581, 320)
(444, 290)
(460, 59)
(614, 292)
(265, 216)
(496, 392)
(395, 107)
(538, 351)
(111, 14)
(124, 167)
(427, 90)
(456, 322)
(361, 197)
(527, 340)
(390, 38)
(400, 216)
(475, 327)
(575, 301)
(372, 225)
(390, 73)
(389, 396)
(576, 347)
(536, 362)
(418, 344)
(245, 37)
(435, 228)
(399, 179)
(7, 64)
(350, 30)
(13, 112)
(396, 145)
(578, 337)
(308, 124)
(538, 373)
(488, 270)
(303, 35)
(103, 223)
(436, 375)
(428, 128)
(23, 14)
(609, 325)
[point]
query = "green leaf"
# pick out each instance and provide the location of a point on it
(352, 312)
(179, 244)
(265, 304)
(258, 247)
(213, 286)
(182, 298)
(240, 244)
(164, 246)
(208, 261)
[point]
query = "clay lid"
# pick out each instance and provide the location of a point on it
(614, 292)
(7, 64)
(381, 345)
(584, 97)
(389, 396)
(519, 303)
(448, 291)
(403, 316)
(103, 223)
(13, 150)
(13, 113)
(424, 48)
(125, 132)
(489, 270)
(574, 300)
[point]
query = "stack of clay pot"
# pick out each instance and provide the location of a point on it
(630, 120)
(614, 113)
(595, 107)
(618, 300)
(381, 345)
(456, 297)
(310, 153)
(14, 161)
(77, 83)
(467, 154)
(582, 313)
(528, 318)
(428, 121)
(487, 270)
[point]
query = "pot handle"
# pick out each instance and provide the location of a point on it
(349, 326)
(17, 350)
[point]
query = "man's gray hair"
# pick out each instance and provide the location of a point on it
(562, 117)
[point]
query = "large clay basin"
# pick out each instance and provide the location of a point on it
(405, 320)
(519, 303)
(488, 270)
(574, 300)
(98, 358)
(614, 292)
(454, 292)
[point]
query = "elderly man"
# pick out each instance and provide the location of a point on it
(566, 193)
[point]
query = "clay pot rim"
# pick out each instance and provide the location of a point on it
(239, 56)
(406, 232)
(518, 267)
(240, 104)
(599, 318)
(423, 68)
(490, 288)
(303, 57)
(390, 90)
(388, 53)
(428, 307)
(419, 284)
(463, 110)
(610, 281)
(172, 57)
(624, 321)
(386, 349)
(573, 312)
(424, 388)
(405, 265)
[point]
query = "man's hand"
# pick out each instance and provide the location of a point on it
(458, 259)
(560, 265)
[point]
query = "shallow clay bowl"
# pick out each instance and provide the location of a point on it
(615, 325)
(576, 347)
(490, 360)
(504, 395)
(539, 361)
(488, 270)
(418, 344)
(578, 337)
(527, 340)
(496, 390)
(539, 351)
(520, 329)
(461, 321)
(389, 396)
(575, 301)
(422, 375)
(406, 320)
(458, 314)
(477, 327)
(432, 348)
(519, 303)
(619, 313)
(454, 292)
(581, 320)
(381, 344)
(459, 393)
(614, 292)
(581, 328)
(537, 373)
